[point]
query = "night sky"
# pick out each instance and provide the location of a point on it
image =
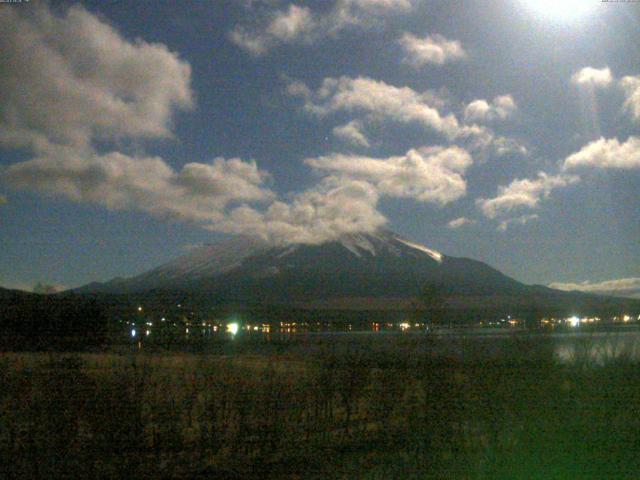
(505, 131)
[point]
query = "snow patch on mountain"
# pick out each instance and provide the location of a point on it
(356, 243)
(437, 256)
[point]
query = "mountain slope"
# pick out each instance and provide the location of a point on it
(360, 272)
(382, 264)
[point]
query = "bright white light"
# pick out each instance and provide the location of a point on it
(561, 10)
(133, 332)
(574, 321)
(139, 309)
(232, 328)
(148, 332)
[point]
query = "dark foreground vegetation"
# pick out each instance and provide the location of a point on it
(370, 407)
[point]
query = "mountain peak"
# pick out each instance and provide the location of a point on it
(366, 263)
(384, 240)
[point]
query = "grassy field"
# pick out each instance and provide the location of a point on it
(354, 407)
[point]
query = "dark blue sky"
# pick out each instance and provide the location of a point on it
(586, 225)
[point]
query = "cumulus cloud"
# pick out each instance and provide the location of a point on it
(506, 145)
(500, 108)
(70, 78)
(460, 222)
(298, 24)
(428, 174)
(336, 206)
(592, 77)
(631, 87)
(352, 133)
(295, 23)
(373, 97)
(622, 287)
(434, 49)
(524, 193)
(227, 196)
(70, 81)
(198, 192)
(484, 143)
(606, 153)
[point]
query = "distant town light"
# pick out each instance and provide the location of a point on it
(133, 332)
(574, 321)
(148, 332)
(232, 328)
(139, 309)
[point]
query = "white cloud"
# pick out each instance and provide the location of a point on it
(336, 206)
(505, 145)
(593, 77)
(373, 97)
(248, 41)
(606, 153)
(352, 133)
(483, 143)
(502, 107)
(631, 87)
(622, 287)
(521, 220)
(199, 192)
(428, 174)
(221, 196)
(460, 222)
(292, 24)
(70, 78)
(297, 24)
(70, 81)
(434, 49)
(525, 193)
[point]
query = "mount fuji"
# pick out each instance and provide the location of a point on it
(380, 270)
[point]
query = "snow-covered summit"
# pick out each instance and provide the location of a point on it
(387, 242)
(252, 257)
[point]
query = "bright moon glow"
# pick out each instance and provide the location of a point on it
(563, 10)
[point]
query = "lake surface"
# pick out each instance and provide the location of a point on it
(573, 346)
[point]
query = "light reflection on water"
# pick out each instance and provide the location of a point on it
(597, 347)
(578, 346)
